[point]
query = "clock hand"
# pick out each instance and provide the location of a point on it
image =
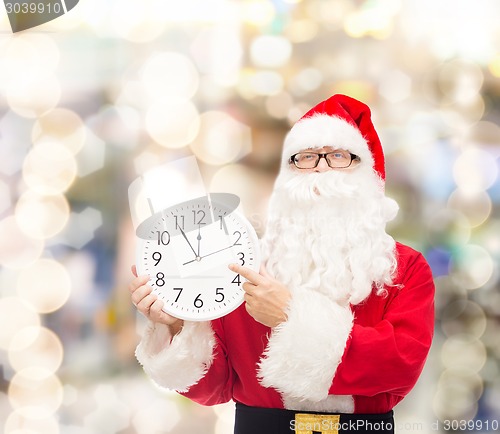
(208, 254)
(199, 239)
(186, 238)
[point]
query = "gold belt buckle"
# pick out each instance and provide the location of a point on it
(322, 423)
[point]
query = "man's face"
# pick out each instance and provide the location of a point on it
(339, 159)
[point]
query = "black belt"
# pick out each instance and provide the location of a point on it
(255, 420)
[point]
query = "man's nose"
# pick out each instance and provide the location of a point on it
(322, 166)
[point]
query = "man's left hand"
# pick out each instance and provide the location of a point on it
(266, 298)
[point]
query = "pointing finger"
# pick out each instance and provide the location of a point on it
(247, 273)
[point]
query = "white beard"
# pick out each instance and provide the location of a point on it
(326, 232)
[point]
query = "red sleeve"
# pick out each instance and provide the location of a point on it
(389, 356)
(217, 385)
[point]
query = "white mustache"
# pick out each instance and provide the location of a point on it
(313, 186)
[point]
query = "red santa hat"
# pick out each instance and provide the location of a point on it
(342, 122)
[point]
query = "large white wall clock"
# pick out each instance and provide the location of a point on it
(186, 249)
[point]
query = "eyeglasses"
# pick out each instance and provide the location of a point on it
(338, 159)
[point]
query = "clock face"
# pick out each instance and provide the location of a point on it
(187, 254)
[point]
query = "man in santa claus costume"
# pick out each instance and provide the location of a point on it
(337, 325)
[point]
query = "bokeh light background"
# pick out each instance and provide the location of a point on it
(93, 99)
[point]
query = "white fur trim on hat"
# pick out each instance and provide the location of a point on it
(179, 364)
(322, 130)
(303, 353)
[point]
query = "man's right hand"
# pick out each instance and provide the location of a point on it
(149, 305)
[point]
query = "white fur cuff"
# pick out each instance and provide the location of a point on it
(179, 364)
(303, 353)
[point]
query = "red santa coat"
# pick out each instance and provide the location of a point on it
(380, 357)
